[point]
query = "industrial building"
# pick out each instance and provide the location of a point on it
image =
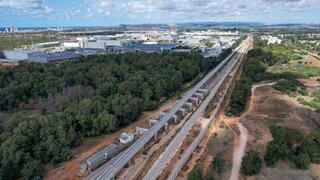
(46, 45)
(90, 52)
(99, 158)
(71, 44)
(21, 55)
(150, 48)
(45, 58)
(212, 52)
(1, 55)
(94, 44)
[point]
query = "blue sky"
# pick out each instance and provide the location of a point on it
(56, 13)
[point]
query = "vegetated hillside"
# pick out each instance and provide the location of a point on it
(47, 109)
(267, 62)
(283, 131)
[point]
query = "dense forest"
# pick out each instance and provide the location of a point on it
(46, 109)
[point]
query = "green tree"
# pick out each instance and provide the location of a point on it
(104, 123)
(32, 170)
(195, 174)
(311, 147)
(218, 164)
(48, 109)
(301, 161)
(282, 145)
(251, 163)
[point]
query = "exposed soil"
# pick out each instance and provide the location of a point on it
(315, 171)
(312, 60)
(266, 106)
(70, 170)
(310, 83)
(238, 152)
(272, 107)
(185, 145)
(283, 174)
(218, 142)
(197, 154)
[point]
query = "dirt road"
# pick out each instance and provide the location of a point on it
(240, 144)
(238, 152)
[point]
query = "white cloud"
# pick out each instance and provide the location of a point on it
(295, 5)
(200, 8)
(27, 6)
(158, 10)
(192, 9)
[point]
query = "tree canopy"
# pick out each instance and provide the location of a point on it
(251, 163)
(48, 108)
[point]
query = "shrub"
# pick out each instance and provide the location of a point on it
(311, 147)
(218, 164)
(274, 153)
(195, 174)
(251, 163)
(288, 85)
(301, 161)
(281, 146)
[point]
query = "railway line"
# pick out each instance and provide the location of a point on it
(174, 146)
(201, 92)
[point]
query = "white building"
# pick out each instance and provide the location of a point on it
(71, 44)
(213, 52)
(126, 138)
(272, 39)
(46, 45)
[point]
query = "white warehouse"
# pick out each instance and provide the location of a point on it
(71, 44)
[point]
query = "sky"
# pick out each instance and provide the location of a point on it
(64, 13)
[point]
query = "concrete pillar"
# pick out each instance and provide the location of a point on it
(152, 122)
(156, 136)
(162, 114)
(166, 126)
(203, 91)
(183, 111)
(140, 131)
(189, 106)
(199, 95)
(195, 100)
(175, 118)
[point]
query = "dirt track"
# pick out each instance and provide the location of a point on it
(266, 106)
(241, 140)
(238, 152)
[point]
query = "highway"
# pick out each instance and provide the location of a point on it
(109, 172)
(174, 146)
